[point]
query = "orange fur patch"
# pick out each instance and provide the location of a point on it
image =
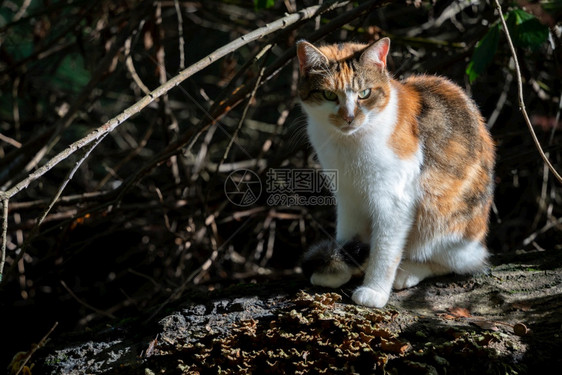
(404, 140)
(342, 52)
(456, 177)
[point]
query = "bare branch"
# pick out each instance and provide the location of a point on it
(131, 67)
(521, 98)
(173, 82)
(181, 40)
(10, 141)
(240, 123)
(4, 234)
(36, 347)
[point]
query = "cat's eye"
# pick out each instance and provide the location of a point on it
(330, 95)
(364, 94)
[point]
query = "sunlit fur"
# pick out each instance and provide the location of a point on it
(415, 164)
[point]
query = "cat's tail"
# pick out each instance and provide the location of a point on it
(332, 263)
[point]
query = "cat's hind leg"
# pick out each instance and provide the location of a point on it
(459, 256)
(464, 256)
(410, 273)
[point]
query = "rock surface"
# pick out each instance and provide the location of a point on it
(508, 321)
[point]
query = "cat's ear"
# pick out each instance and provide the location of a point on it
(309, 56)
(376, 53)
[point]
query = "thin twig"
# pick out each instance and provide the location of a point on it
(10, 141)
(23, 165)
(36, 347)
(205, 266)
(211, 131)
(180, 34)
(15, 105)
(64, 122)
(54, 42)
(88, 306)
(4, 235)
(234, 136)
(270, 244)
(54, 199)
(22, 10)
(138, 149)
(544, 229)
(520, 95)
(240, 123)
(171, 130)
(66, 200)
(69, 177)
(179, 291)
(556, 120)
(501, 101)
(131, 67)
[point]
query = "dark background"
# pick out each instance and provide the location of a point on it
(121, 243)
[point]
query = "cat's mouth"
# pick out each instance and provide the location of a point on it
(348, 129)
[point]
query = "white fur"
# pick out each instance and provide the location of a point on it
(377, 197)
(350, 100)
(377, 191)
(331, 280)
(411, 273)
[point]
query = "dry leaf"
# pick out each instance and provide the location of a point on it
(459, 312)
(447, 316)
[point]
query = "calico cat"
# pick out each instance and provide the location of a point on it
(415, 170)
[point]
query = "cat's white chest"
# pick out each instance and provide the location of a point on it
(369, 170)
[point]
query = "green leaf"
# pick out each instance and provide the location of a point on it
(263, 4)
(71, 74)
(483, 53)
(526, 31)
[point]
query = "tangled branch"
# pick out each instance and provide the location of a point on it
(521, 98)
(290, 20)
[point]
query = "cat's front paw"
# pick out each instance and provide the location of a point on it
(369, 297)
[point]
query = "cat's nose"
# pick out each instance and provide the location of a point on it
(348, 118)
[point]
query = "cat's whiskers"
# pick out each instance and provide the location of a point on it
(297, 131)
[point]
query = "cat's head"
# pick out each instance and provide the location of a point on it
(343, 85)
